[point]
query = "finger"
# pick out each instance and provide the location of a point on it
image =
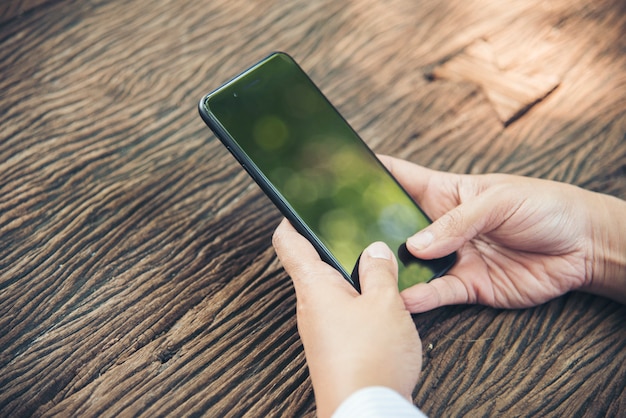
(453, 229)
(310, 275)
(414, 178)
(378, 269)
(291, 247)
(434, 191)
(444, 291)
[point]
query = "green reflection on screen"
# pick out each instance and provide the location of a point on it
(318, 163)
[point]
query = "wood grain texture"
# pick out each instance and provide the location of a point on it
(10, 9)
(136, 271)
(511, 93)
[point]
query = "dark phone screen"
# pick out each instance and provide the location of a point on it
(313, 158)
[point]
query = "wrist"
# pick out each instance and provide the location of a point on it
(608, 249)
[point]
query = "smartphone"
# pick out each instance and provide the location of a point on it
(316, 169)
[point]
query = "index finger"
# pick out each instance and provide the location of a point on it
(436, 192)
(414, 178)
(309, 273)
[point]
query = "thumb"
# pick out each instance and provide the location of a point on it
(378, 268)
(456, 227)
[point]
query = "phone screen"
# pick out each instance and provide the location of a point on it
(316, 168)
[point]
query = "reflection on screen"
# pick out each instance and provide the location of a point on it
(317, 162)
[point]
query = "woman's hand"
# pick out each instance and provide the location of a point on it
(520, 241)
(351, 340)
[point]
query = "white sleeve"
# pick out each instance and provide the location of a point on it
(377, 402)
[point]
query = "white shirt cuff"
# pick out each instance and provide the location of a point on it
(377, 402)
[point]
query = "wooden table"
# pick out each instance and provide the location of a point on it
(137, 275)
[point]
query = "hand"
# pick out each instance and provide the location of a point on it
(520, 241)
(351, 340)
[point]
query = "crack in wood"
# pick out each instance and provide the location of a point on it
(511, 92)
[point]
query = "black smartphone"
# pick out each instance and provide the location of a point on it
(316, 169)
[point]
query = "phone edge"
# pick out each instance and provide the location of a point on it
(266, 186)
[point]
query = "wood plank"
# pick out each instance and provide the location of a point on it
(136, 269)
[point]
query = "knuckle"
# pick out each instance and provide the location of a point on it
(451, 221)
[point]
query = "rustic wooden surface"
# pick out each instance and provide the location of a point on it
(137, 276)
(10, 9)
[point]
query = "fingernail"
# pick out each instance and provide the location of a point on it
(421, 240)
(379, 250)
